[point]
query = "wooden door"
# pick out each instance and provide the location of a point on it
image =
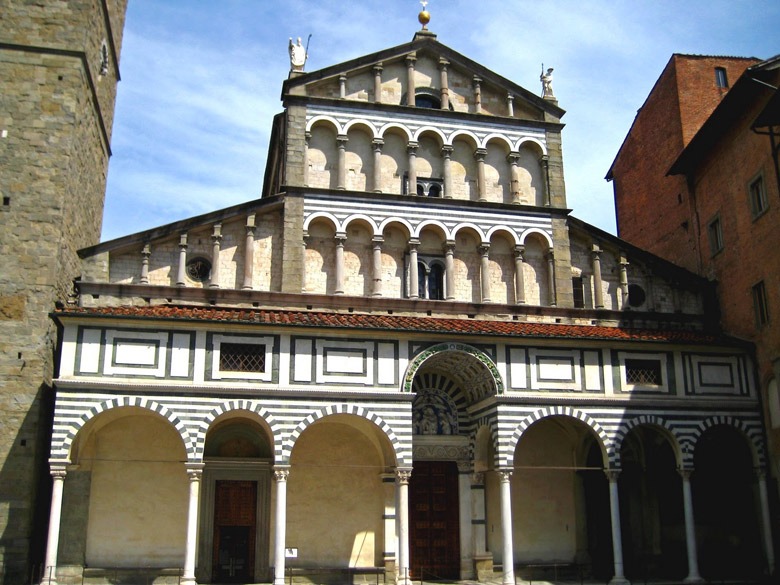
(235, 529)
(434, 521)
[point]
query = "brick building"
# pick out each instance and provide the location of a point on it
(696, 181)
(58, 73)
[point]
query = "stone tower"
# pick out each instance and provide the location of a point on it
(59, 72)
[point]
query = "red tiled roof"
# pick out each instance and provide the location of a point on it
(393, 323)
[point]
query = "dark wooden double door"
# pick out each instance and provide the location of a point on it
(235, 530)
(434, 521)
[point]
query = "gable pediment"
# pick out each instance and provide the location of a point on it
(471, 87)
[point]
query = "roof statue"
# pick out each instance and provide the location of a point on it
(298, 55)
(547, 79)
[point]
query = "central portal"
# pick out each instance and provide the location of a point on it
(434, 523)
(234, 531)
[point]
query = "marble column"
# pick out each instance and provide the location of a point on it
(410, 84)
(623, 281)
(341, 142)
(376, 145)
(480, 155)
(445, 88)
(146, 253)
(306, 141)
(58, 473)
(249, 252)
(690, 529)
(194, 472)
(411, 174)
(341, 238)
(280, 523)
(598, 293)
(377, 69)
(766, 522)
(216, 242)
(446, 153)
(514, 188)
(551, 277)
(617, 539)
(343, 85)
(508, 577)
(477, 81)
(510, 105)
(519, 279)
(376, 288)
(403, 477)
(181, 269)
(484, 271)
(449, 270)
(414, 282)
(544, 162)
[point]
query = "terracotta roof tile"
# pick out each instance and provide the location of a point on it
(394, 323)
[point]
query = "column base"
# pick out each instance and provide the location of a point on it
(619, 581)
(694, 579)
(188, 581)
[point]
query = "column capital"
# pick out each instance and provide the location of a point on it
(410, 59)
(411, 147)
(622, 260)
(194, 470)
(447, 150)
(443, 63)
(449, 246)
(505, 474)
(342, 77)
(378, 68)
(183, 242)
(480, 154)
(342, 140)
(377, 143)
(612, 474)
(146, 251)
(476, 80)
(340, 238)
(307, 136)
(378, 240)
(510, 97)
(520, 252)
(250, 220)
(483, 249)
(413, 243)
(216, 235)
(281, 473)
(595, 251)
(513, 158)
(403, 475)
(685, 473)
(544, 160)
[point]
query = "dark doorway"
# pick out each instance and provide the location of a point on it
(434, 525)
(235, 510)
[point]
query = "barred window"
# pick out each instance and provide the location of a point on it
(242, 357)
(643, 372)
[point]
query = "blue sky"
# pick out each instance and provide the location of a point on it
(201, 81)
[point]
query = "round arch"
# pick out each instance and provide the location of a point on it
(752, 436)
(531, 142)
(64, 450)
(361, 124)
(653, 421)
(256, 412)
(497, 138)
(537, 232)
(467, 225)
(402, 457)
(425, 355)
(606, 446)
(395, 126)
(502, 229)
(323, 215)
(327, 120)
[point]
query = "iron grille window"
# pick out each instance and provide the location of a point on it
(643, 372)
(242, 357)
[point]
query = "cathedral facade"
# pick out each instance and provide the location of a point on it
(406, 360)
